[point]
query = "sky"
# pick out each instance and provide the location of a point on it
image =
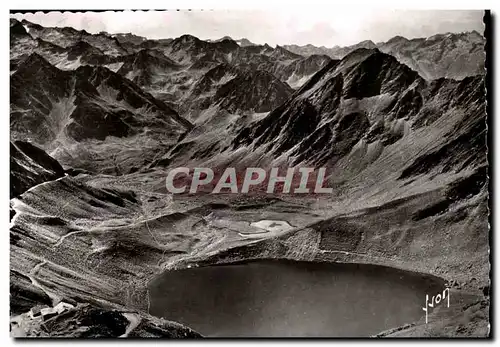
(320, 27)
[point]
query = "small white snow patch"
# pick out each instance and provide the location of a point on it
(272, 225)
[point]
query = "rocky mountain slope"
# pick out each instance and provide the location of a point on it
(87, 112)
(97, 122)
(368, 96)
(223, 87)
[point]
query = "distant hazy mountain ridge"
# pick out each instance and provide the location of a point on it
(451, 55)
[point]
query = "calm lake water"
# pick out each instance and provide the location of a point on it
(279, 298)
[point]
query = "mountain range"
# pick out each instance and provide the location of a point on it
(98, 120)
(441, 55)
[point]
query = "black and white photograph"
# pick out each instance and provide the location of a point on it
(256, 173)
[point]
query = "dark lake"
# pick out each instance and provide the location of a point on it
(281, 298)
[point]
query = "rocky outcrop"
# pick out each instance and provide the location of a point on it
(29, 166)
(88, 321)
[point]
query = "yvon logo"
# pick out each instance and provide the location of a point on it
(436, 299)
